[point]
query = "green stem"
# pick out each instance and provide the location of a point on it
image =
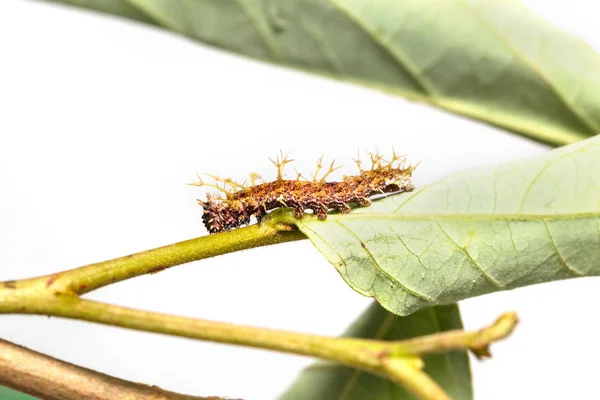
(354, 352)
(90, 277)
(415, 380)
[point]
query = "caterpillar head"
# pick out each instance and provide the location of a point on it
(220, 216)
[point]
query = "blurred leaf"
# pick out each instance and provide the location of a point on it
(451, 370)
(122, 8)
(10, 394)
(475, 232)
(492, 60)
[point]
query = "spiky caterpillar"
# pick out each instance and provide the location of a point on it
(242, 202)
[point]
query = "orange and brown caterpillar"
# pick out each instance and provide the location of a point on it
(241, 201)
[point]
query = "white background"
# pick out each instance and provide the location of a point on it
(103, 121)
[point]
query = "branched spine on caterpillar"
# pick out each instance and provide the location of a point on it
(241, 202)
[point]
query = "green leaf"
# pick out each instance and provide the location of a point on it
(122, 8)
(451, 370)
(475, 232)
(486, 59)
(10, 394)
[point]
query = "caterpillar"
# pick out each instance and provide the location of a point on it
(241, 201)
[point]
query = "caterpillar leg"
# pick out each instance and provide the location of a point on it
(321, 212)
(363, 202)
(342, 207)
(260, 214)
(298, 212)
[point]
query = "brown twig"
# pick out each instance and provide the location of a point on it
(51, 379)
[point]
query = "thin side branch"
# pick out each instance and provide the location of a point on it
(478, 342)
(51, 379)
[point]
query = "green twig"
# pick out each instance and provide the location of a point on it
(408, 370)
(82, 280)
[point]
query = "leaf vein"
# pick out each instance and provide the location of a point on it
(328, 54)
(329, 246)
(579, 114)
(464, 251)
(393, 51)
(544, 169)
(563, 262)
(467, 216)
(273, 51)
(406, 246)
(382, 272)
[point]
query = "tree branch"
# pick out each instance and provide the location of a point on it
(51, 379)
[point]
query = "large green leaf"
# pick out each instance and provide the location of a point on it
(332, 381)
(10, 394)
(491, 60)
(474, 232)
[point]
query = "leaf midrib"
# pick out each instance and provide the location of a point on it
(461, 216)
(393, 51)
